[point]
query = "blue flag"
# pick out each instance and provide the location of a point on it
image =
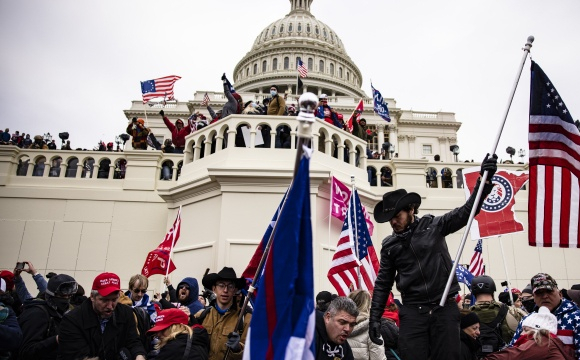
(283, 321)
(380, 105)
(463, 275)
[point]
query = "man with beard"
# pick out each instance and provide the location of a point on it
(221, 318)
(10, 333)
(188, 296)
(416, 256)
(41, 319)
(334, 327)
(100, 327)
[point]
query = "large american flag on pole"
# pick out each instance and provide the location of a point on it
(345, 266)
(162, 87)
(302, 69)
(554, 194)
(476, 265)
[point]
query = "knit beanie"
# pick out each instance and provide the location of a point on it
(527, 289)
(469, 319)
(543, 319)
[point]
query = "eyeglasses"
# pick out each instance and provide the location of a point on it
(183, 287)
(139, 291)
(222, 286)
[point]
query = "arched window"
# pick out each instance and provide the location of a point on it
(88, 168)
(310, 64)
(273, 31)
(55, 167)
(286, 63)
(324, 33)
(347, 76)
(71, 168)
(281, 28)
(332, 69)
(340, 72)
(255, 69)
(316, 30)
(166, 170)
(332, 37)
(321, 66)
(247, 71)
(264, 64)
(308, 28)
(299, 27)
(39, 167)
(104, 167)
(266, 34)
(275, 64)
(290, 28)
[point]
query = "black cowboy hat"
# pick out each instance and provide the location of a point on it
(393, 202)
(227, 273)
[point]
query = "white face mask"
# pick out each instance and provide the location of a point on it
(273, 92)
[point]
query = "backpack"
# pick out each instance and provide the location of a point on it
(143, 322)
(490, 335)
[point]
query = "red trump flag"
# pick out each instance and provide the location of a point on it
(159, 259)
(497, 216)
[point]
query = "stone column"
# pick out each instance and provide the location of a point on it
(231, 138)
(63, 167)
(219, 142)
(380, 137)
(411, 146)
(95, 171)
(80, 167)
(328, 146)
(401, 143)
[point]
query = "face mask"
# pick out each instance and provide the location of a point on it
(273, 92)
(61, 305)
(529, 305)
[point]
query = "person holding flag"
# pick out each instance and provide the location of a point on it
(416, 255)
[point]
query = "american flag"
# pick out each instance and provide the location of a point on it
(476, 265)
(343, 273)
(302, 69)
(554, 194)
(205, 100)
(162, 87)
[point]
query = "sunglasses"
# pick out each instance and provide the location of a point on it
(183, 287)
(139, 291)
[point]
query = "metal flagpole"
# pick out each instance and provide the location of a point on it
(352, 181)
(308, 103)
(506, 270)
(526, 50)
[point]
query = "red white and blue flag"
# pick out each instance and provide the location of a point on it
(355, 115)
(355, 253)
(497, 215)
(339, 203)
(476, 266)
(158, 259)
(283, 321)
(554, 195)
(302, 69)
(162, 87)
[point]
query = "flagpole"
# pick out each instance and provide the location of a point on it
(352, 181)
(506, 269)
(330, 213)
(171, 250)
(308, 103)
(526, 50)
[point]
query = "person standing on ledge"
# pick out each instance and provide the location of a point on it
(416, 256)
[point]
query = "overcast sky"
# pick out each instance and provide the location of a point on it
(75, 65)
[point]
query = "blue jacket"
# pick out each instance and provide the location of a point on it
(192, 302)
(145, 304)
(10, 333)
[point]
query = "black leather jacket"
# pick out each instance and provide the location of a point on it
(420, 262)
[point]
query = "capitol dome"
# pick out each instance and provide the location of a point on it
(299, 35)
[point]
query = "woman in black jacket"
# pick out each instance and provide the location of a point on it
(176, 340)
(468, 335)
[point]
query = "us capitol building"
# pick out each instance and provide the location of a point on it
(83, 213)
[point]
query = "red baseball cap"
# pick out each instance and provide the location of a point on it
(8, 277)
(107, 283)
(168, 317)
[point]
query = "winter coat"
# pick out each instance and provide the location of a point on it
(219, 326)
(360, 342)
(177, 136)
(39, 323)
(488, 310)
(22, 291)
(469, 347)
(277, 106)
(80, 334)
(326, 349)
(359, 131)
(550, 349)
(568, 315)
(144, 304)
(139, 136)
(175, 348)
(10, 333)
(420, 259)
(192, 301)
(332, 120)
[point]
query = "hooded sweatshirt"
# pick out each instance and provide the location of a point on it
(192, 301)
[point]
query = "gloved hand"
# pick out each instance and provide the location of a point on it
(162, 113)
(375, 332)
(224, 77)
(234, 342)
(489, 164)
